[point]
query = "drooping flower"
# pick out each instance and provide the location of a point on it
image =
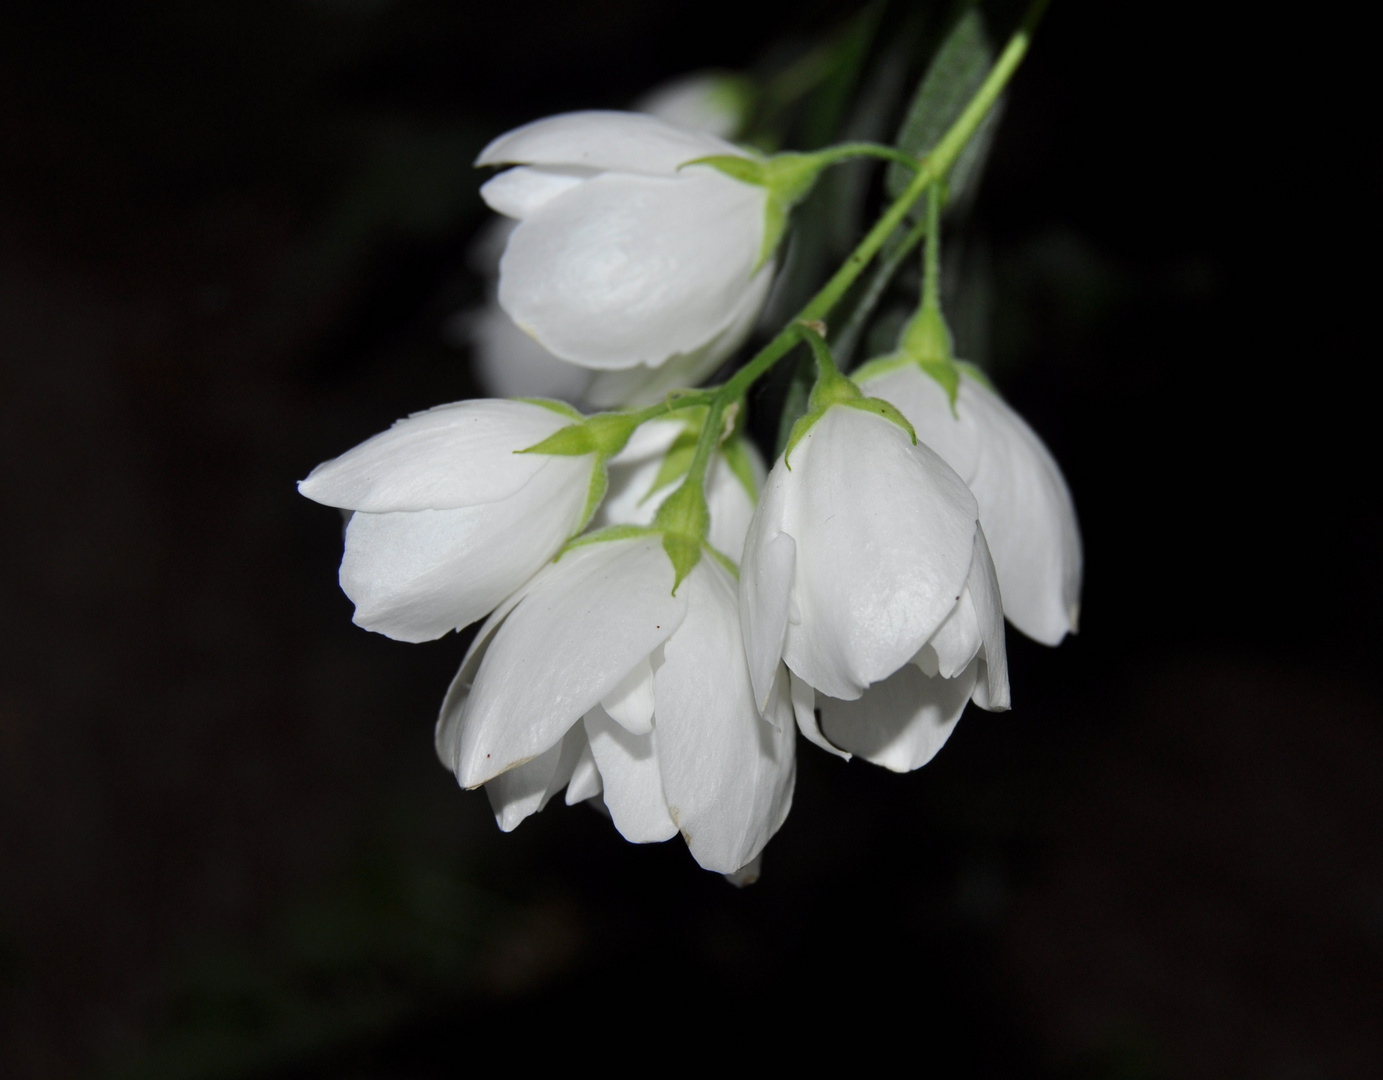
(601, 678)
(864, 557)
(623, 256)
(511, 363)
(1025, 506)
(448, 518)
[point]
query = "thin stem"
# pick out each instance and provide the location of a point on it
(845, 151)
(874, 291)
(931, 254)
(933, 168)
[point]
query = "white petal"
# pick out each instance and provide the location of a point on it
(899, 723)
(526, 789)
(619, 141)
(731, 504)
(702, 101)
(516, 193)
(566, 646)
(631, 702)
(447, 735)
(585, 776)
(509, 363)
(1029, 519)
(766, 574)
(748, 873)
(728, 776)
(885, 534)
(983, 588)
(1025, 506)
(633, 787)
(804, 710)
(642, 385)
(414, 576)
(624, 270)
(454, 455)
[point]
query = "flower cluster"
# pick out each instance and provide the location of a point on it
(661, 613)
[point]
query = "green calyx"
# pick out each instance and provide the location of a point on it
(789, 178)
(684, 520)
(926, 341)
(602, 435)
(832, 388)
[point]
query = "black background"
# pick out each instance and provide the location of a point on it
(229, 236)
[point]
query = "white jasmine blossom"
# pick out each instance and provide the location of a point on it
(865, 556)
(599, 643)
(1025, 506)
(448, 518)
(623, 256)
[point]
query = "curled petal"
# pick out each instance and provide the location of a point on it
(585, 777)
(633, 786)
(804, 710)
(899, 723)
(727, 775)
(516, 193)
(526, 789)
(462, 454)
(766, 573)
(607, 140)
(624, 270)
(630, 704)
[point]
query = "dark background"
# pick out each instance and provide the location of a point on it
(230, 234)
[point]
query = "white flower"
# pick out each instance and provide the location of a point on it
(864, 557)
(599, 656)
(1028, 516)
(448, 518)
(511, 363)
(622, 257)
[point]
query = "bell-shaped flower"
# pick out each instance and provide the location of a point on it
(864, 556)
(625, 253)
(1025, 506)
(511, 363)
(449, 518)
(603, 677)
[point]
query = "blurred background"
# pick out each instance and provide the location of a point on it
(232, 237)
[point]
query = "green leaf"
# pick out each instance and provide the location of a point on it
(955, 72)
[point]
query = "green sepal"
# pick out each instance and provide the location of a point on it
(601, 536)
(604, 434)
(978, 375)
(725, 561)
(600, 481)
(685, 513)
(885, 409)
(737, 457)
(676, 461)
(553, 405)
(801, 427)
(684, 552)
(789, 178)
(947, 374)
(745, 169)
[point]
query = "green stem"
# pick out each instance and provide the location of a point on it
(848, 338)
(933, 168)
(846, 151)
(931, 255)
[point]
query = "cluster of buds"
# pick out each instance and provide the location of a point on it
(663, 614)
